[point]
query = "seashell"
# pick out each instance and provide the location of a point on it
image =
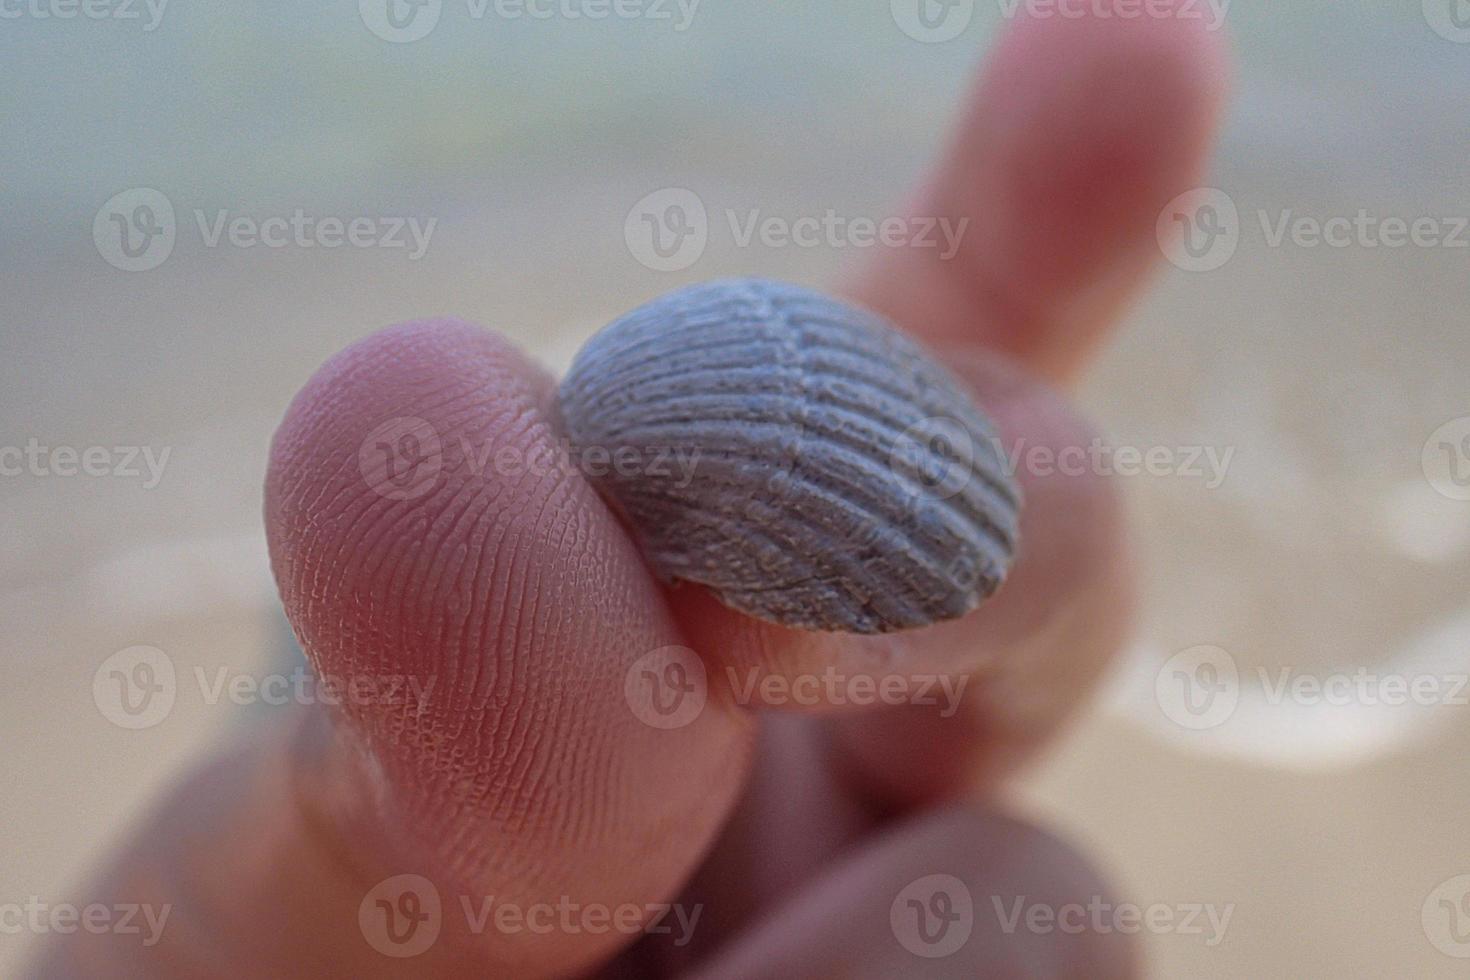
(800, 457)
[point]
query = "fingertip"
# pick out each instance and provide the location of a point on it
(431, 539)
(1080, 130)
(933, 896)
(1021, 662)
(1044, 642)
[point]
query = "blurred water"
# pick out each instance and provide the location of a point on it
(248, 104)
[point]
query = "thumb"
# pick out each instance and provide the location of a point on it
(420, 531)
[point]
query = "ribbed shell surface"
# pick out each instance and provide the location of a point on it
(800, 457)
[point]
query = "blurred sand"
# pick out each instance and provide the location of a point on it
(1327, 870)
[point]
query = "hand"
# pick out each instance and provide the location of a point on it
(526, 779)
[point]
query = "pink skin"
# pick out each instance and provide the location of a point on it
(528, 777)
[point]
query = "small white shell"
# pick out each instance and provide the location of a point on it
(801, 458)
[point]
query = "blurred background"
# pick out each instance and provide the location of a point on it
(1309, 524)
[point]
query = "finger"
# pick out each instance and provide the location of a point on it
(794, 818)
(927, 899)
(528, 776)
(1078, 133)
(975, 698)
(975, 695)
(450, 548)
(1038, 649)
(1069, 532)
